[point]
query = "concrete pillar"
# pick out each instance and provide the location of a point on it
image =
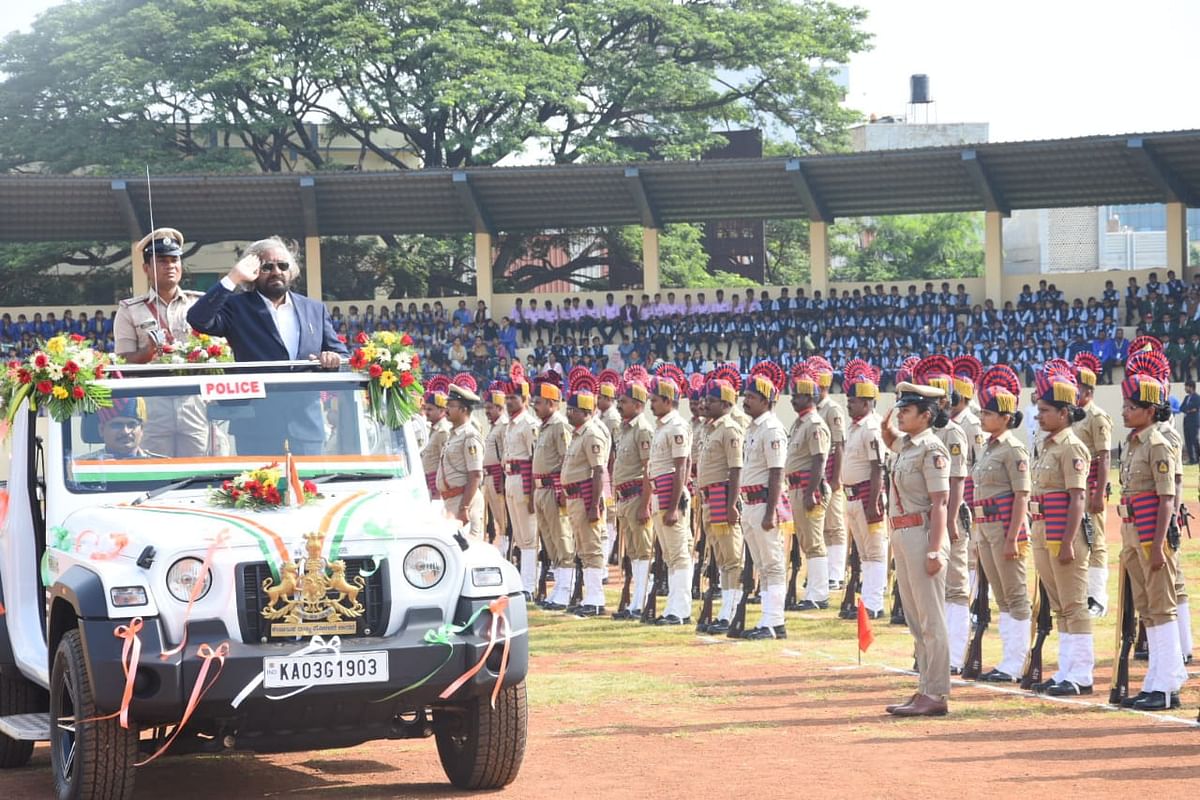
(1177, 238)
(650, 276)
(993, 254)
(483, 268)
(818, 256)
(312, 266)
(141, 284)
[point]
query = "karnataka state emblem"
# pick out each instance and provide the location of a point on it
(313, 596)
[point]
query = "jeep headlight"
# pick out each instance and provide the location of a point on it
(424, 566)
(184, 576)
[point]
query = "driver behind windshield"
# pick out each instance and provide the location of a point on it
(121, 427)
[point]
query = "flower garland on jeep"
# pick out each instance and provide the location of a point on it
(200, 348)
(61, 374)
(394, 368)
(259, 489)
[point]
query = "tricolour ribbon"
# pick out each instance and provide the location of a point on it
(315, 645)
(206, 652)
(499, 627)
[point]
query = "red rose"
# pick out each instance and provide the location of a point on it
(98, 371)
(23, 376)
(273, 496)
(70, 368)
(226, 485)
(310, 487)
(77, 392)
(45, 387)
(342, 338)
(235, 493)
(195, 356)
(406, 379)
(362, 338)
(406, 340)
(214, 350)
(40, 361)
(375, 371)
(416, 361)
(75, 337)
(358, 360)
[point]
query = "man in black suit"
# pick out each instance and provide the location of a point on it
(269, 322)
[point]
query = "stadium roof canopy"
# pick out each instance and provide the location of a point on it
(1088, 171)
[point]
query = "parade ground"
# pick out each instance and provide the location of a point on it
(626, 710)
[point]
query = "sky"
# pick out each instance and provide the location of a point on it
(1032, 69)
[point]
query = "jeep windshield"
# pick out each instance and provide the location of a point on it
(165, 429)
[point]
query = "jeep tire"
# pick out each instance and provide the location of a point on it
(93, 761)
(481, 747)
(18, 696)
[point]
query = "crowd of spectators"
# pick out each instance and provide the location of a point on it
(696, 330)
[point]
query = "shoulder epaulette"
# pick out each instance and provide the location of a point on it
(132, 301)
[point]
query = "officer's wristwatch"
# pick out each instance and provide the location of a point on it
(933, 555)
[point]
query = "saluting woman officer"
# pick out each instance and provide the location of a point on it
(1002, 486)
(920, 488)
(1060, 548)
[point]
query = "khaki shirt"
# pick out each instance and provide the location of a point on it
(588, 449)
(1002, 469)
(955, 439)
(721, 452)
(1062, 464)
(1172, 436)
(461, 456)
(863, 449)
(672, 440)
(765, 449)
(611, 419)
(835, 420)
(1094, 430)
(922, 467)
(810, 437)
(976, 438)
(1148, 464)
(493, 445)
(553, 438)
(632, 450)
(431, 456)
(135, 318)
(740, 417)
(520, 435)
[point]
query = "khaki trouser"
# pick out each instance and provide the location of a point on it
(638, 535)
(833, 524)
(554, 527)
(1066, 584)
(524, 521)
(1007, 582)
(474, 512)
(812, 526)
(1154, 594)
(728, 551)
(871, 546)
(676, 539)
(1099, 556)
(176, 427)
(588, 534)
(495, 505)
(957, 589)
(766, 547)
(923, 598)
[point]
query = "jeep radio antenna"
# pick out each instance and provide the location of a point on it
(153, 254)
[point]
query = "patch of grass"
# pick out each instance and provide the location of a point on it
(609, 687)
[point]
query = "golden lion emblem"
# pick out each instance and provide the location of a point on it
(317, 593)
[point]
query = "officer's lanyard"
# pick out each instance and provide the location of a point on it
(166, 328)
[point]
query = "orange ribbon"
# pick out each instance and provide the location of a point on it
(219, 542)
(131, 653)
(500, 628)
(206, 652)
(120, 542)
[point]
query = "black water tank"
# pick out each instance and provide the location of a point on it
(919, 85)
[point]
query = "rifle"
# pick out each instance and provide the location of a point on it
(964, 520)
(627, 568)
(790, 600)
(897, 606)
(706, 609)
(650, 607)
(849, 609)
(544, 560)
(1125, 634)
(577, 590)
(1141, 647)
(1185, 516)
(737, 625)
(973, 662)
(1033, 663)
(701, 553)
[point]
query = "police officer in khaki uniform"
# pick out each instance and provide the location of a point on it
(144, 325)
(1002, 486)
(554, 436)
(918, 517)
(835, 503)
(583, 472)
(493, 463)
(862, 478)
(962, 415)
(1147, 503)
(628, 478)
(520, 437)
(1095, 431)
(1184, 616)
(610, 418)
(1060, 547)
(808, 447)
(719, 478)
(434, 409)
(765, 453)
(664, 493)
(460, 470)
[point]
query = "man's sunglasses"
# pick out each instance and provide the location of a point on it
(274, 266)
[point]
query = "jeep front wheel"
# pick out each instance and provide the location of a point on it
(91, 759)
(481, 747)
(18, 696)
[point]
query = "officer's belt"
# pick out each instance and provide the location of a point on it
(629, 489)
(448, 494)
(753, 495)
(858, 491)
(908, 521)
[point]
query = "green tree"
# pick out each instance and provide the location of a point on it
(909, 247)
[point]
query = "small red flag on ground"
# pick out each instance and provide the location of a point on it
(865, 635)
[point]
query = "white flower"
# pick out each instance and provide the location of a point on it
(404, 362)
(54, 371)
(382, 355)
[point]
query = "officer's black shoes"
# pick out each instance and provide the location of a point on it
(956, 670)
(848, 613)
(590, 611)
(549, 606)
(573, 607)
(626, 615)
(1068, 689)
(719, 627)
(766, 632)
(702, 627)
(812, 605)
(1156, 701)
(1044, 686)
(897, 619)
(1132, 699)
(1096, 608)
(754, 600)
(996, 676)
(671, 619)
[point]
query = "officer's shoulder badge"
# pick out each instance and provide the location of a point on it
(774, 444)
(1022, 465)
(471, 449)
(979, 438)
(955, 450)
(1079, 464)
(595, 448)
(939, 461)
(645, 444)
(679, 438)
(1163, 467)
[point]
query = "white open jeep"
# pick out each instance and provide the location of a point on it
(134, 601)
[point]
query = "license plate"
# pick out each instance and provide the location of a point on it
(280, 672)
